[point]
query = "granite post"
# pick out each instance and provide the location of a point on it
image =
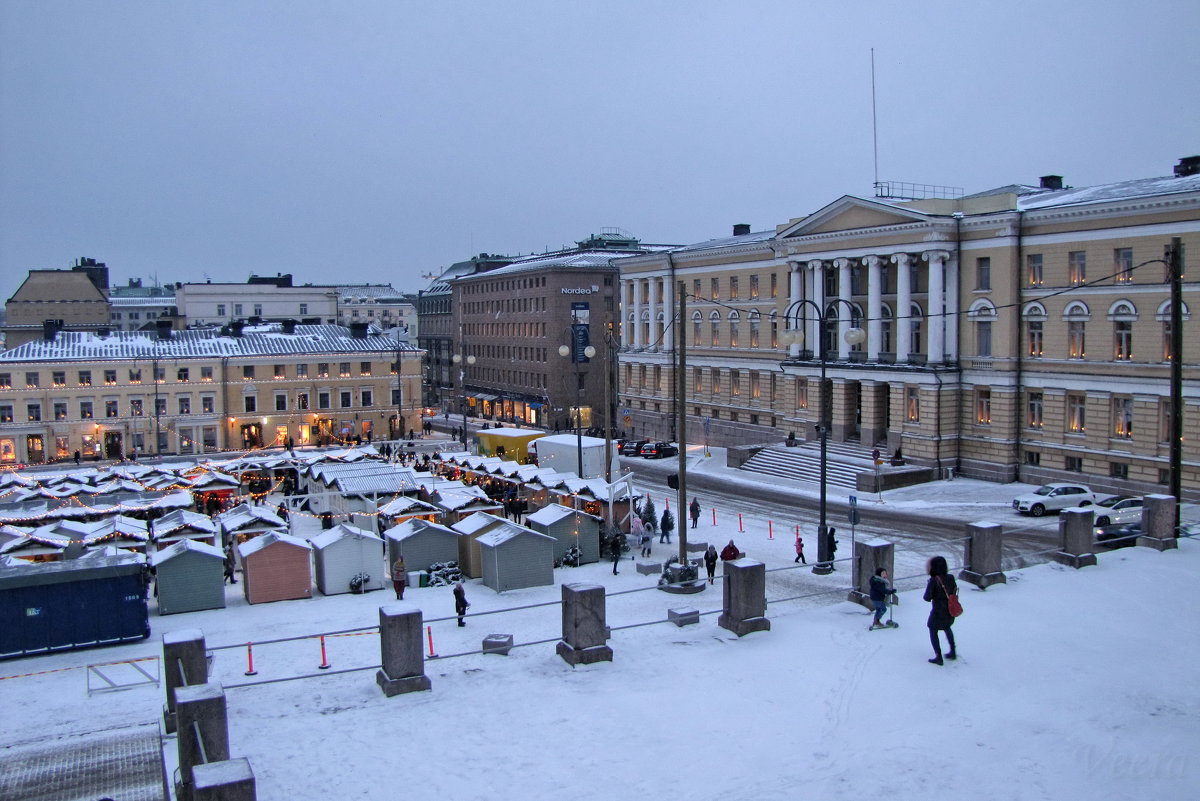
(207, 740)
(583, 625)
(184, 647)
(744, 597)
(981, 566)
(403, 660)
(1158, 523)
(230, 780)
(868, 557)
(1076, 541)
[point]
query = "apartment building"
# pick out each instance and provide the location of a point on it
(1020, 333)
(201, 391)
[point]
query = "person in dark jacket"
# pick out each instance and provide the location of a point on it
(665, 526)
(799, 550)
(730, 552)
(710, 561)
(694, 511)
(880, 592)
(460, 602)
(938, 590)
(617, 545)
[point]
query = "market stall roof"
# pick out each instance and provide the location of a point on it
(181, 519)
(548, 515)
(270, 538)
(340, 532)
(403, 505)
(243, 515)
(410, 528)
(182, 547)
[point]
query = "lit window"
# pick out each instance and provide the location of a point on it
(1076, 267)
(983, 406)
(1035, 410)
(1033, 269)
(1122, 340)
(1075, 339)
(1123, 417)
(1076, 414)
(1123, 265)
(913, 404)
(1035, 328)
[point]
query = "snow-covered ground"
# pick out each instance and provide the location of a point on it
(1071, 684)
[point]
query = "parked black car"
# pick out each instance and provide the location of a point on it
(1120, 535)
(632, 447)
(658, 450)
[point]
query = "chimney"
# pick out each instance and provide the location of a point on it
(358, 330)
(1188, 165)
(741, 229)
(1051, 182)
(235, 328)
(50, 329)
(163, 328)
(289, 326)
(102, 333)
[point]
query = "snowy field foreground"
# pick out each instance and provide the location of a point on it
(1071, 684)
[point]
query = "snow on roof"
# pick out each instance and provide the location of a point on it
(513, 432)
(1122, 190)
(185, 546)
(508, 532)
(551, 514)
(265, 340)
(411, 528)
(570, 439)
(480, 521)
(270, 538)
(183, 518)
(342, 531)
(404, 504)
(244, 515)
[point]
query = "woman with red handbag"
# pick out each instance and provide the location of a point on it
(939, 591)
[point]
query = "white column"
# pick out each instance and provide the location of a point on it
(874, 266)
(903, 264)
(953, 305)
(652, 340)
(843, 308)
(796, 278)
(936, 329)
(668, 296)
(813, 340)
(637, 313)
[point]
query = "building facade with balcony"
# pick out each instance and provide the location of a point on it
(1021, 333)
(202, 391)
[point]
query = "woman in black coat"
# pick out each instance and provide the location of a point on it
(940, 587)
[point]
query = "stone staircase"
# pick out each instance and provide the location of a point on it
(845, 460)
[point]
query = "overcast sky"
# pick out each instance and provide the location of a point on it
(376, 141)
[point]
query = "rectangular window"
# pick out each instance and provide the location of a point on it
(304, 308)
(1073, 464)
(1076, 414)
(280, 371)
(1033, 458)
(913, 404)
(1034, 417)
(110, 408)
(60, 410)
(1123, 340)
(86, 411)
(31, 380)
(186, 442)
(801, 390)
(5, 380)
(182, 374)
(733, 287)
(1077, 267)
(1075, 339)
(1033, 269)
(301, 371)
(258, 310)
(983, 406)
(160, 374)
(774, 285)
(206, 374)
(983, 338)
(755, 386)
(302, 401)
(1123, 265)
(344, 399)
(697, 379)
(33, 412)
(364, 368)
(1118, 470)
(160, 406)
(715, 289)
(208, 404)
(61, 448)
(58, 378)
(696, 289)
(184, 403)
(1035, 338)
(220, 309)
(135, 407)
(322, 369)
(735, 383)
(753, 287)
(1164, 418)
(237, 309)
(280, 402)
(322, 400)
(250, 403)
(367, 398)
(714, 374)
(247, 371)
(110, 378)
(344, 369)
(1122, 409)
(983, 273)
(208, 436)
(85, 378)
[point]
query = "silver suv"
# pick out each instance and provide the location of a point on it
(1053, 498)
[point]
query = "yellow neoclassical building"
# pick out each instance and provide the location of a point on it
(1022, 333)
(120, 393)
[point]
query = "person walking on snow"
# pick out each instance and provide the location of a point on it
(666, 526)
(940, 587)
(694, 511)
(800, 550)
(399, 578)
(880, 592)
(617, 545)
(710, 561)
(460, 602)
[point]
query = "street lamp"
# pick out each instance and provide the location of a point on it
(463, 361)
(588, 352)
(853, 336)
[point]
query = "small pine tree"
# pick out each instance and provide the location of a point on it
(649, 514)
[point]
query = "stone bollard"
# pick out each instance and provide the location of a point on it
(744, 597)
(583, 625)
(1076, 540)
(185, 647)
(982, 562)
(869, 556)
(231, 780)
(1158, 523)
(403, 660)
(204, 705)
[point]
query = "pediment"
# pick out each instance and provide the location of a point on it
(850, 213)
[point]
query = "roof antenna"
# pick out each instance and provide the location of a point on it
(874, 120)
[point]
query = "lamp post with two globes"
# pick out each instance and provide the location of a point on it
(586, 353)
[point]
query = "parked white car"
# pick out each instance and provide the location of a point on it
(1116, 510)
(1053, 498)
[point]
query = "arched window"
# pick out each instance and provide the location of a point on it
(1123, 315)
(1034, 315)
(1076, 316)
(982, 313)
(885, 329)
(734, 324)
(1163, 315)
(714, 322)
(774, 318)
(916, 315)
(755, 319)
(697, 321)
